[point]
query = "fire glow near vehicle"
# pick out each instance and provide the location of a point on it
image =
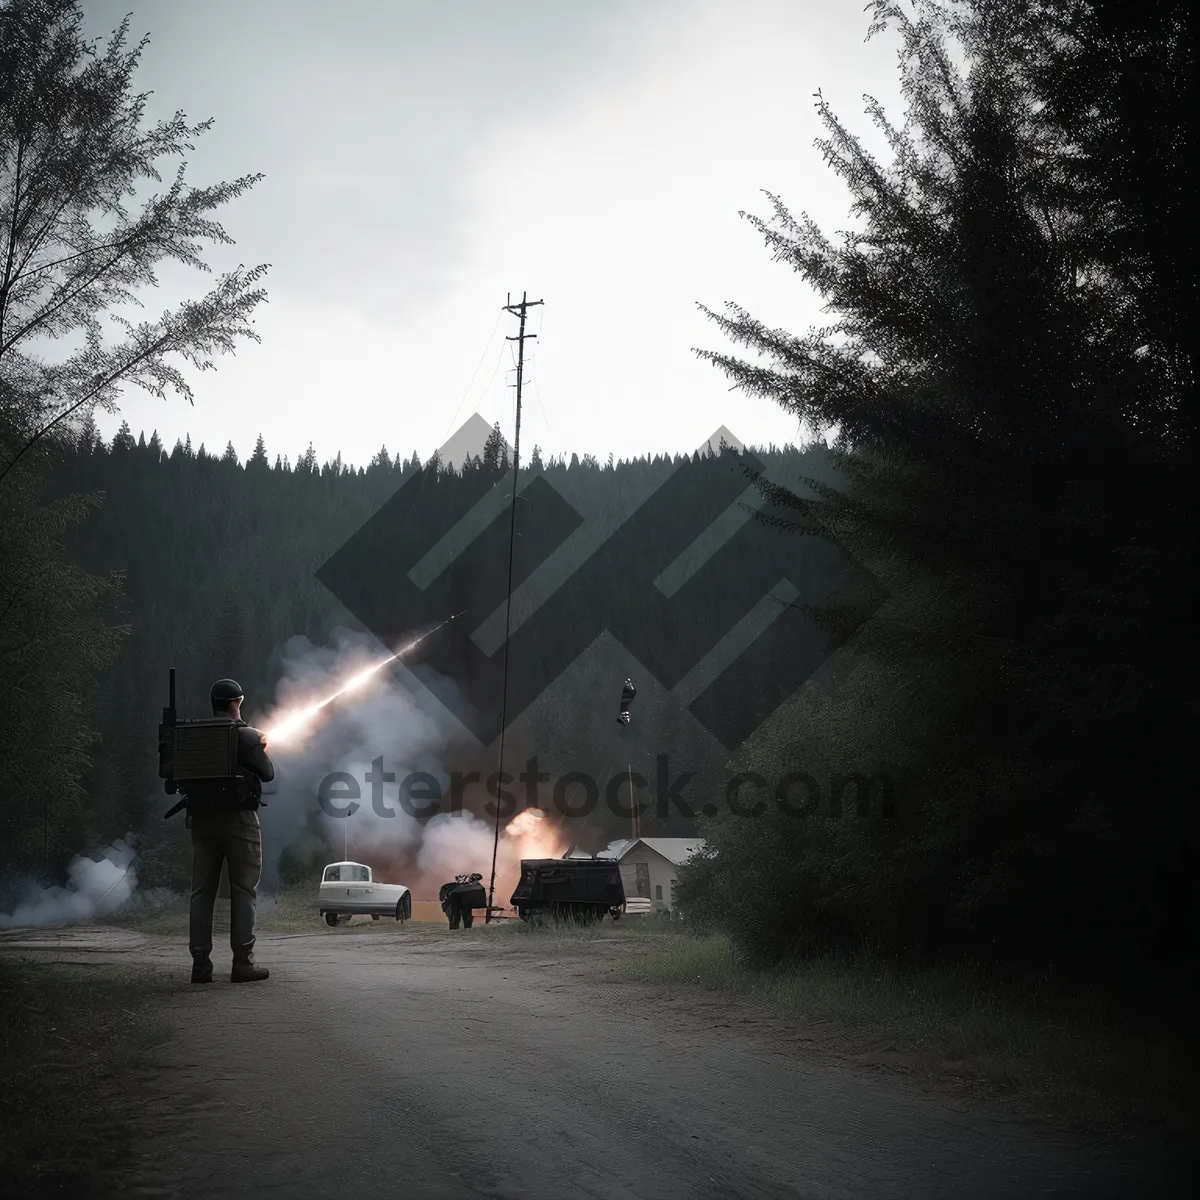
(348, 890)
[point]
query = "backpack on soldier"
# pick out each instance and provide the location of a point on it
(199, 759)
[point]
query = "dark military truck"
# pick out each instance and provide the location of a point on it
(569, 889)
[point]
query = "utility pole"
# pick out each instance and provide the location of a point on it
(520, 310)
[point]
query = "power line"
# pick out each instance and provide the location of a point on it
(487, 386)
(474, 373)
(537, 391)
(495, 371)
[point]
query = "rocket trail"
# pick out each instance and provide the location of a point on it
(297, 721)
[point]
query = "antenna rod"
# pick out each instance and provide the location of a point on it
(633, 801)
(521, 310)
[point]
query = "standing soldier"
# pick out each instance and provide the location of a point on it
(225, 829)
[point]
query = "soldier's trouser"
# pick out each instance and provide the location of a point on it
(219, 837)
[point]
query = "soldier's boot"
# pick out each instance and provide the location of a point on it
(245, 970)
(202, 969)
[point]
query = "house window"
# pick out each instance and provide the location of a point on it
(658, 891)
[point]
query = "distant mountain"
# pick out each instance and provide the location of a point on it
(469, 439)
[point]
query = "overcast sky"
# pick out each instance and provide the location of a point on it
(424, 159)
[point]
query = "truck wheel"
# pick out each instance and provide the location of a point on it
(404, 908)
(331, 920)
(374, 916)
(468, 916)
(454, 916)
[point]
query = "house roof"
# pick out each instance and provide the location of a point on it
(615, 849)
(674, 850)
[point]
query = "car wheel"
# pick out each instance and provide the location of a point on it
(374, 916)
(331, 920)
(404, 908)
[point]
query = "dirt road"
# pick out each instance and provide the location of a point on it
(425, 1064)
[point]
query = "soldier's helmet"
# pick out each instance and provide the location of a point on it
(225, 690)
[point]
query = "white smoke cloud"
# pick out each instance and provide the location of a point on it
(95, 888)
(381, 720)
(455, 845)
(412, 732)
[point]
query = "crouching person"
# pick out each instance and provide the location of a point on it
(460, 898)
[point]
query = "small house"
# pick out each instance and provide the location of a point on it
(649, 866)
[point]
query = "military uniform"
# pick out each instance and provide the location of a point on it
(223, 834)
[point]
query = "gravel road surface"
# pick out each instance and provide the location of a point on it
(430, 1064)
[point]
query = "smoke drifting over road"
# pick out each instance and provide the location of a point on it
(95, 888)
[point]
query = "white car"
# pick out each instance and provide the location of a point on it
(347, 890)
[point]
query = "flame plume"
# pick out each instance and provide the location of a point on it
(291, 725)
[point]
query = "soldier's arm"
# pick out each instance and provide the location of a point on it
(253, 753)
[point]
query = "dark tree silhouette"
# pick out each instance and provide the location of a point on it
(1011, 406)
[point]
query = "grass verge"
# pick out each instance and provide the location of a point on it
(288, 911)
(71, 1040)
(1063, 1057)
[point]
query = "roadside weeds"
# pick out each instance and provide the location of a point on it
(1016, 1041)
(1067, 1059)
